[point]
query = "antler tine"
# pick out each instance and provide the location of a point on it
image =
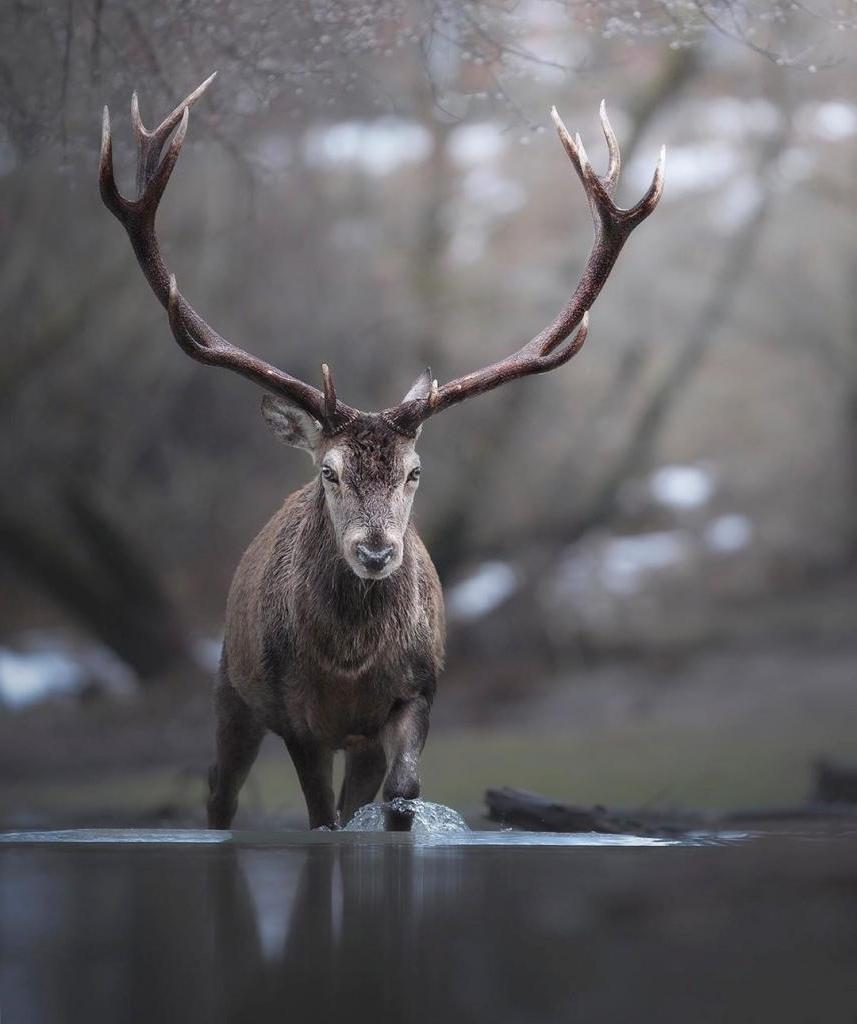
(160, 176)
(650, 200)
(329, 391)
(611, 178)
(193, 334)
(597, 193)
(151, 143)
(186, 341)
(546, 351)
(106, 179)
(173, 118)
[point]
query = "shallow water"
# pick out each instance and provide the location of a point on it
(430, 821)
(438, 825)
(451, 925)
(360, 830)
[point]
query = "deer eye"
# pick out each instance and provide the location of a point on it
(329, 474)
(414, 475)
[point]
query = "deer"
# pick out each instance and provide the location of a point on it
(334, 630)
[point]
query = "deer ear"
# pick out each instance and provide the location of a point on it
(421, 387)
(290, 424)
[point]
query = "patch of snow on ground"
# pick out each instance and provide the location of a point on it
(681, 487)
(483, 591)
(832, 121)
(618, 566)
(30, 676)
(48, 667)
(206, 652)
(626, 560)
(729, 533)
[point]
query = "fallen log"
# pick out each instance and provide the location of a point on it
(835, 783)
(533, 812)
(520, 808)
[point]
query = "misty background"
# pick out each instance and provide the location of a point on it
(647, 555)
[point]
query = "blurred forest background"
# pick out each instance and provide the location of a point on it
(648, 555)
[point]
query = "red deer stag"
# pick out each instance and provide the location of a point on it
(334, 623)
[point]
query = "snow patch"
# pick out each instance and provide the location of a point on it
(626, 560)
(682, 487)
(727, 534)
(831, 121)
(48, 667)
(206, 652)
(487, 588)
(619, 565)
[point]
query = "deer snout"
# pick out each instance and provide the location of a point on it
(374, 559)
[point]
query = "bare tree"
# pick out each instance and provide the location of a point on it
(61, 59)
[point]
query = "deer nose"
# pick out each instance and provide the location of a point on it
(374, 559)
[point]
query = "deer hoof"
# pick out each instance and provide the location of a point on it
(399, 814)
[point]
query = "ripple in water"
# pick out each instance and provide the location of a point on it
(430, 820)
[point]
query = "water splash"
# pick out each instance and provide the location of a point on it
(430, 820)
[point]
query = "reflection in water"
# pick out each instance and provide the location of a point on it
(390, 928)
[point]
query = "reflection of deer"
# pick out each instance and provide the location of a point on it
(324, 926)
(334, 626)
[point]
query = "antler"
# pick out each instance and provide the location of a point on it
(546, 351)
(194, 335)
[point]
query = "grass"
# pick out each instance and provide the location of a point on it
(649, 762)
(732, 728)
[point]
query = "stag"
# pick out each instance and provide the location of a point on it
(334, 633)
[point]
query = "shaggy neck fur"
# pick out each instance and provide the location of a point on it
(350, 618)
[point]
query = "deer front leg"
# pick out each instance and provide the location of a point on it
(239, 735)
(314, 765)
(365, 768)
(403, 737)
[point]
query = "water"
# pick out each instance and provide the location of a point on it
(430, 821)
(439, 825)
(441, 924)
(366, 829)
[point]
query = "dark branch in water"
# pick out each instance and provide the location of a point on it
(535, 813)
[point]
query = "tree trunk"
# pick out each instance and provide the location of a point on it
(98, 576)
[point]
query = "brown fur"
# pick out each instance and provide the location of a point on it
(323, 658)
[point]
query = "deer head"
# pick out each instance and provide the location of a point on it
(368, 473)
(367, 464)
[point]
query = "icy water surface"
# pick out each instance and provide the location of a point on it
(440, 925)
